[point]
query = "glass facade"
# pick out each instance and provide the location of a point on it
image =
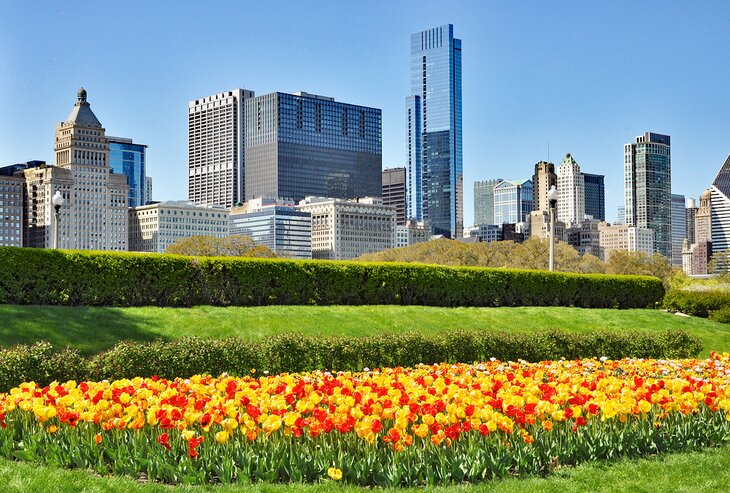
(679, 228)
(484, 201)
(648, 187)
(301, 144)
(512, 201)
(595, 196)
(435, 163)
(285, 230)
(128, 159)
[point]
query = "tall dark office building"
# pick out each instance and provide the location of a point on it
(394, 192)
(303, 144)
(648, 187)
(433, 113)
(595, 196)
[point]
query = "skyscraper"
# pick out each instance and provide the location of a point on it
(128, 159)
(394, 192)
(720, 193)
(512, 201)
(571, 202)
(484, 201)
(302, 144)
(94, 215)
(216, 151)
(543, 179)
(595, 194)
(690, 213)
(435, 175)
(679, 228)
(648, 187)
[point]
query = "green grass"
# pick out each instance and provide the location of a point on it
(705, 471)
(93, 329)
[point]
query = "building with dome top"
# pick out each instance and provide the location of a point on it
(94, 211)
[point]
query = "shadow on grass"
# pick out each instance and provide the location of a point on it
(88, 329)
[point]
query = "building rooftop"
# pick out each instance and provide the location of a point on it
(82, 114)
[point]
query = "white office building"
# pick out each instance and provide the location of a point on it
(571, 190)
(154, 227)
(623, 237)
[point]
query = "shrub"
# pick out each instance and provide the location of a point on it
(697, 303)
(37, 276)
(294, 352)
(722, 315)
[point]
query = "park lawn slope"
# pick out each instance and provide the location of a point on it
(705, 471)
(94, 329)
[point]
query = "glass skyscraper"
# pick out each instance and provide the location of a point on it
(433, 112)
(127, 158)
(484, 201)
(302, 144)
(512, 201)
(648, 187)
(595, 194)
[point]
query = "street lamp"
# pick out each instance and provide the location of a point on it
(552, 197)
(57, 201)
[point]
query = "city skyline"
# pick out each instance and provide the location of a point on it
(570, 76)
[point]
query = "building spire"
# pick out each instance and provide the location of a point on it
(82, 95)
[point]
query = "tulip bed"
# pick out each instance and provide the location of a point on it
(437, 424)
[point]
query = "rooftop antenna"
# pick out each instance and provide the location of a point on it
(548, 151)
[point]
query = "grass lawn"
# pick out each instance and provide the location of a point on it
(705, 471)
(93, 329)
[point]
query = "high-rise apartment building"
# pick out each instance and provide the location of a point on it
(94, 214)
(275, 223)
(696, 253)
(394, 192)
(595, 196)
(690, 213)
(345, 229)
(433, 112)
(11, 209)
(648, 187)
(679, 228)
(154, 227)
(720, 197)
(571, 190)
(301, 144)
(484, 201)
(128, 159)
(512, 201)
(621, 215)
(543, 179)
(216, 151)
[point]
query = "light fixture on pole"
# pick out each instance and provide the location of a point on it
(552, 197)
(57, 201)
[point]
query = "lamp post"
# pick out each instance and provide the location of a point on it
(552, 197)
(57, 201)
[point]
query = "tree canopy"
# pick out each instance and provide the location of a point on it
(210, 246)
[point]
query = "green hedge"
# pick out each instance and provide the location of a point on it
(293, 352)
(49, 277)
(697, 303)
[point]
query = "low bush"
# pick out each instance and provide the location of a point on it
(54, 277)
(696, 303)
(295, 352)
(722, 315)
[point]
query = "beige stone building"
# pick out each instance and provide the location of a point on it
(543, 179)
(624, 237)
(345, 229)
(94, 213)
(154, 227)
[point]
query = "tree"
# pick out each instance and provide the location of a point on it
(209, 246)
(719, 263)
(639, 263)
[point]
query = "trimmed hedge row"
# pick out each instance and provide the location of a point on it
(54, 277)
(293, 352)
(697, 303)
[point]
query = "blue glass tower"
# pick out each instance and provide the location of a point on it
(127, 158)
(433, 112)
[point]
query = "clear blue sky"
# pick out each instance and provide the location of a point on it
(584, 76)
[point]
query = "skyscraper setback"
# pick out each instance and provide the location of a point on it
(648, 187)
(433, 113)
